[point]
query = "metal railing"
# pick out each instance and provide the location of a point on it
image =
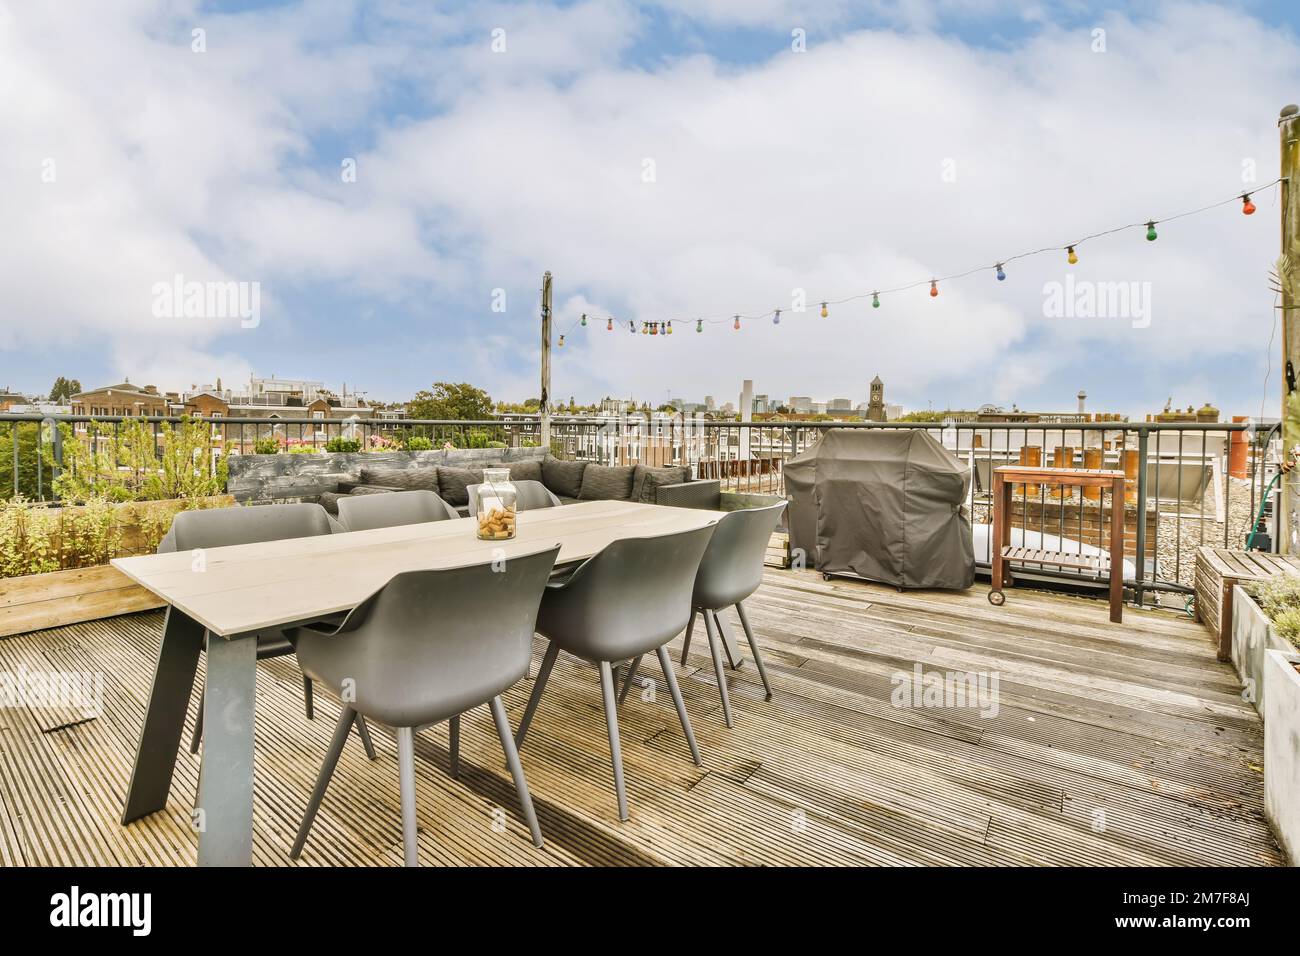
(1190, 484)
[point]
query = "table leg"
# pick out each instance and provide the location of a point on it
(164, 717)
(224, 813)
(1117, 551)
(995, 534)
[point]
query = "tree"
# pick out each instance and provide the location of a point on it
(63, 389)
(449, 400)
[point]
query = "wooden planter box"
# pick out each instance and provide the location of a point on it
(1218, 570)
(34, 602)
(37, 601)
(1282, 749)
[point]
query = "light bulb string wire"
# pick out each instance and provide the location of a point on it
(893, 290)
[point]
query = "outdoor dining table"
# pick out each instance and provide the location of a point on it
(220, 598)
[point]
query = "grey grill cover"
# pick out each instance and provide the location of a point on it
(882, 504)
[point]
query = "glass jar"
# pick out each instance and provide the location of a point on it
(496, 505)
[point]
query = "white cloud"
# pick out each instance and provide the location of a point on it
(822, 171)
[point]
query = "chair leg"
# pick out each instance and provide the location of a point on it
(611, 721)
(671, 679)
(516, 768)
(453, 745)
(753, 648)
(729, 649)
(198, 723)
(539, 685)
(627, 681)
(364, 733)
(308, 697)
(406, 782)
(686, 644)
(340, 737)
(709, 624)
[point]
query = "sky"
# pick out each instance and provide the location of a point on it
(387, 181)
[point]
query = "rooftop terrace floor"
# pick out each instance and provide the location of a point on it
(1111, 744)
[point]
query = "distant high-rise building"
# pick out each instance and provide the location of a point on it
(760, 403)
(800, 404)
(709, 403)
(840, 405)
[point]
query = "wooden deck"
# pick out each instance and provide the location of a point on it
(1112, 744)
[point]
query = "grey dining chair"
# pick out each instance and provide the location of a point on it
(732, 570)
(221, 527)
(631, 598)
(364, 512)
(531, 494)
(425, 648)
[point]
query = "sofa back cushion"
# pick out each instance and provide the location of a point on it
(524, 470)
(646, 480)
(452, 483)
(563, 477)
(424, 478)
(605, 482)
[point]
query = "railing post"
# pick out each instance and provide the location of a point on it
(1140, 562)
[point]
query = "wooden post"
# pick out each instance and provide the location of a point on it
(546, 363)
(1289, 274)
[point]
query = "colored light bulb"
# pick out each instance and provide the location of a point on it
(875, 300)
(631, 327)
(584, 318)
(934, 288)
(776, 317)
(736, 326)
(699, 325)
(825, 311)
(609, 325)
(561, 343)
(1001, 275)
(1151, 232)
(1247, 207)
(1072, 256)
(670, 327)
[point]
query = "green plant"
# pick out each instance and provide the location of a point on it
(266, 446)
(302, 450)
(341, 444)
(419, 443)
(1279, 599)
(496, 444)
(134, 462)
(30, 441)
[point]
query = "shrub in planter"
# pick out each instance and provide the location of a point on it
(266, 446)
(419, 443)
(1279, 599)
(339, 444)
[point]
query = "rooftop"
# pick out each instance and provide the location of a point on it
(1110, 745)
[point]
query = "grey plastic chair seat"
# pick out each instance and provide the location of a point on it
(631, 598)
(425, 648)
(222, 527)
(392, 508)
(531, 494)
(732, 570)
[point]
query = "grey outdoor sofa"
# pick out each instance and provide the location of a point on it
(570, 481)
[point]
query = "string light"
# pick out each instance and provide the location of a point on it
(670, 326)
(1248, 208)
(561, 344)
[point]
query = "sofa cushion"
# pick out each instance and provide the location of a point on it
(407, 479)
(329, 500)
(452, 484)
(529, 470)
(670, 475)
(606, 482)
(563, 477)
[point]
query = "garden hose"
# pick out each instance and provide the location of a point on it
(1282, 469)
